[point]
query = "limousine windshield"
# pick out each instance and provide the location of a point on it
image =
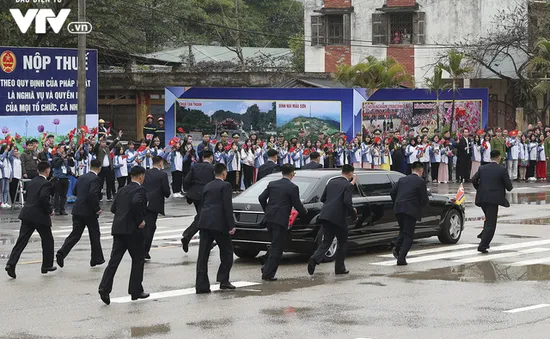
(306, 184)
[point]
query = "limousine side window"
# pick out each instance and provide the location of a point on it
(374, 184)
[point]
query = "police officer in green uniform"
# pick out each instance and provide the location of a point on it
(499, 143)
(149, 129)
(224, 136)
(280, 140)
(159, 131)
(101, 130)
(424, 131)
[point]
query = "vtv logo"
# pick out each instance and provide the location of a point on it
(43, 15)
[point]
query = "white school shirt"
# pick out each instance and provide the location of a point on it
(487, 152)
(436, 148)
(514, 149)
(426, 156)
(542, 155)
(414, 152)
(124, 168)
(523, 152)
(477, 152)
(7, 167)
(376, 160)
(533, 151)
(178, 159)
(17, 169)
(444, 158)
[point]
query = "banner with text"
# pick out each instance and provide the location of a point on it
(39, 90)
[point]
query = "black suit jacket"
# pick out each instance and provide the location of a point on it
(491, 182)
(337, 202)
(200, 175)
(217, 209)
(409, 195)
(266, 169)
(278, 199)
(463, 149)
(312, 165)
(38, 208)
(129, 209)
(88, 193)
(157, 187)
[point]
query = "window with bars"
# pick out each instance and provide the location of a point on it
(398, 28)
(401, 27)
(334, 29)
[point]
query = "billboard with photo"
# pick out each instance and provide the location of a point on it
(38, 91)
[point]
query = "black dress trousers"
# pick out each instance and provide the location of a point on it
(25, 233)
(207, 237)
(79, 224)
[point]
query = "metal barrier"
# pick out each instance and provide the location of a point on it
(20, 194)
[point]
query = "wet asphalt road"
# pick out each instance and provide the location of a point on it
(444, 292)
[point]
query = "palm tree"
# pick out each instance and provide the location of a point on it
(373, 74)
(453, 66)
(437, 85)
(540, 64)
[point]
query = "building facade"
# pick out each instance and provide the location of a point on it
(415, 32)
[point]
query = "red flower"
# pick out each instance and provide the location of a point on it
(84, 129)
(376, 140)
(213, 141)
(174, 141)
(141, 148)
(292, 149)
(306, 152)
(180, 130)
(261, 144)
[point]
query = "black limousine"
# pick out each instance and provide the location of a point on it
(376, 224)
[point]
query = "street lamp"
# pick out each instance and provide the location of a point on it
(81, 114)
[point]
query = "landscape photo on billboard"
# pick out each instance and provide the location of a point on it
(263, 117)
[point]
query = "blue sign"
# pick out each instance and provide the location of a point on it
(39, 89)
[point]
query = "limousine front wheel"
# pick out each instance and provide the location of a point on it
(330, 254)
(451, 230)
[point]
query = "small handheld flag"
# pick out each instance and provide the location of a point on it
(460, 195)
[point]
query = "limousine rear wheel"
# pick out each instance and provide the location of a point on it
(330, 254)
(246, 254)
(451, 230)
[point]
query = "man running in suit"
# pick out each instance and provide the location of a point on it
(337, 205)
(409, 195)
(157, 186)
(86, 211)
(315, 161)
(201, 174)
(129, 208)
(36, 216)
(277, 201)
(270, 166)
(216, 223)
(491, 182)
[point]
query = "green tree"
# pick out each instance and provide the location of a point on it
(374, 74)
(454, 66)
(297, 47)
(437, 85)
(539, 66)
(254, 113)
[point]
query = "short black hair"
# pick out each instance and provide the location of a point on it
(34, 141)
(43, 166)
(157, 160)
(130, 143)
(417, 165)
(495, 154)
(314, 155)
(28, 142)
(287, 169)
(272, 153)
(347, 168)
(219, 169)
(207, 154)
(205, 133)
(95, 163)
(137, 171)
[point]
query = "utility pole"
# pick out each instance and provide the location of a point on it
(81, 115)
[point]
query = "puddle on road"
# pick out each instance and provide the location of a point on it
(146, 331)
(483, 218)
(484, 272)
(211, 324)
(373, 283)
(538, 198)
(517, 236)
(533, 221)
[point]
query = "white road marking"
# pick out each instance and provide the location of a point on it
(528, 308)
(173, 232)
(483, 257)
(465, 253)
(177, 293)
(433, 250)
(531, 262)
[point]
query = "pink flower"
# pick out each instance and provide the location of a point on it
(5, 130)
(56, 121)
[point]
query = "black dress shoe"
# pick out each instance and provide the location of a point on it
(269, 279)
(402, 263)
(45, 270)
(227, 286)
(203, 291)
(11, 271)
(147, 257)
(60, 260)
(185, 245)
(480, 235)
(395, 253)
(63, 213)
(142, 295)
(105, 297)
(342, 272)
(311, 267)
(482, 250)
(94, 264)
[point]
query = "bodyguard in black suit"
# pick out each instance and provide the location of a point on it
(409, 196)
(129, 208)
(200, 175)
(85, 212)
(491, 182)
(464, 157)
(35, 216)
(270, 166)
(315, 161)
(157, 187)
(337, 205)
(277, 201)
(216, 223)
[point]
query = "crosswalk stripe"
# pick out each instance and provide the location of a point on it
(482, 258)
(177, 293)
(174, 233)
(466, 253)
(433, 250)
(531, 262)
(528, 308)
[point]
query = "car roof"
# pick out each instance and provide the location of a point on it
(332, 172)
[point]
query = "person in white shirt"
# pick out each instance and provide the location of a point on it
(247, 158)
(485, 150)
(512, 155)
(523, 157)
(424, 156)
(5, 174)
(533, 156)
(16, 172)
(411, 152)
(120, 165)
(435, 158)
(476, 155)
